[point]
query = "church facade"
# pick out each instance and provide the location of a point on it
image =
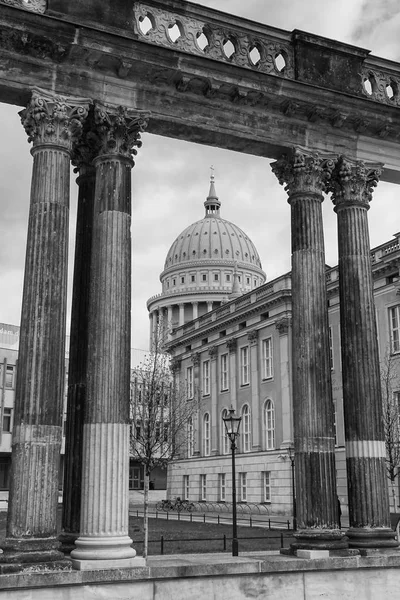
(238, 354)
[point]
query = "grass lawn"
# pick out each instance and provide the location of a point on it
(183, 537)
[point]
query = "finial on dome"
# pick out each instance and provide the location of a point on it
(212, 204)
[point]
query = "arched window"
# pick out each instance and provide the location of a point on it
(246, 424)
(269, 425)
(206, 434)
(190, 437)
(224, 437)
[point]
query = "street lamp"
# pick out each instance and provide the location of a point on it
(232, 425)
(291, 455)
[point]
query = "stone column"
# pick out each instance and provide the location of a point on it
(195, 310)
(209, 306)
(283, 326)
(352, 184)
(181, 314)
(305, 176)
(256, 421)
(213, 354)
(82, 157)
(52, 124)
(104, 540)
(232, 348)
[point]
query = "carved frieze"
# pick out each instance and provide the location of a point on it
(236, 46)
(52, 119)
(119, 129)
(304, 171)
(353, 181)
(38, 6)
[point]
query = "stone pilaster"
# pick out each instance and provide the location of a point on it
(352, 184)
(83, 155)
(213, 354)
(232, 348)
(305, 175)
(52, 124)
(256, 401)
(104, 540)
(283, 326)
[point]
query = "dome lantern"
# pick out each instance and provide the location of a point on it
(212, 204)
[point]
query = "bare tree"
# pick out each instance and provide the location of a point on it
(160, 416)
(390, 383)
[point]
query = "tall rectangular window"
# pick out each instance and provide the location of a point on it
(243, 487)
(267, 358)
(335, 421)
(222, 487)
(244, 365)
(7, 419)
(5, 464)
(189, 383)
(186, 487)
(206, 378)
(190, 437)
(267, 486)
(331, 347)
(10, 376)
(224, 372)
(203, 487)
(394, 324)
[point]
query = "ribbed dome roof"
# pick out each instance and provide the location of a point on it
(212, 238)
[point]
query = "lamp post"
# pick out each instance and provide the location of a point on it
(291, 455)
(232, 425)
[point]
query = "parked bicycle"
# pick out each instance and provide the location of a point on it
(176, 504)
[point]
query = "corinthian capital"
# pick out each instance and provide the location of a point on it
(353, 182)
(304, 172)
(54, 120)
(119, 129)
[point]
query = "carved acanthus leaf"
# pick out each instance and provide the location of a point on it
(119, 129)
(54, 120)
(304, 172)
(353, 181)
(38, 6)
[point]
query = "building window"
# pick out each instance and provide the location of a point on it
(224, 372)
(267, 358)
(203, 487)
(335, 421)
(269, 424)
(267, 486)
(10, 376)
(246, 428)
(193, 278)
(244, 365)
(7, 419)
(189, 382)
(206, 378)
(394, 317)
(5, 464)
(206, 434)
(222, 487)
(248, 280)
(190, 438)
(182, 280)
(204, 277)
(228, 277)
(330, 347)
(216, 277)
(186, 488)
(243, 487)
(224, 437)
(174, 282)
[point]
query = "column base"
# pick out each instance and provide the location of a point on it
(108, 548)
(32, 550)
(67, 541)
(119, 563)
(372, 537)
(319, 539)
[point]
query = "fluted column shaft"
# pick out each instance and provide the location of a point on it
(105, 499)
(181, 314)
(369, 515)
(305, 175)
(52, 123)
(82, 157)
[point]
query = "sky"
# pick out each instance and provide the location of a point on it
(171, 178)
